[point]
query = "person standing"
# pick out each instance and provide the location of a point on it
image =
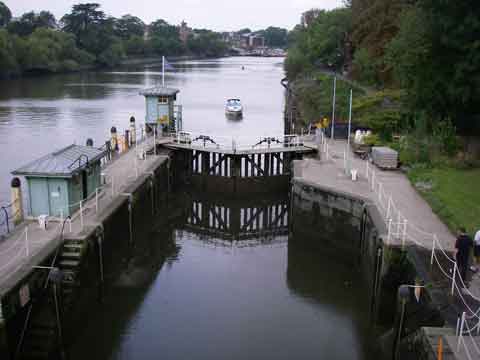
(463, 245)
(476, 248)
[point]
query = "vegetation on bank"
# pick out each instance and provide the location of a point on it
(420, 72)
(85, 37)
(451, 192)
(414, 47)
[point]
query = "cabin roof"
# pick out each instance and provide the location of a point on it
(62, 163)
(159, 91)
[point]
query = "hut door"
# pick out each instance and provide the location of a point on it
(58, 197)
(84, 184)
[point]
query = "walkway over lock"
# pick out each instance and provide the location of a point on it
(236, 157)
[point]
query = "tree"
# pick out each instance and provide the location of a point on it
(31, 21)
(206, 43)
(275, 37)
(437, 60)
(244, 31)
(8, 61)
(82, 18)
(128, 26)
(5, 15)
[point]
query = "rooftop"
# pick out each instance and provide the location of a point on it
(159, 91)
(62, 163)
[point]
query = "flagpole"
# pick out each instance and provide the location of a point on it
(163, 70)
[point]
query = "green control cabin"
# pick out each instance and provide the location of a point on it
(161, 110)
(58, 181)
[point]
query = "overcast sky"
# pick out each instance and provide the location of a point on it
(220, 15)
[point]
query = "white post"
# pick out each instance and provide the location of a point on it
(404, 235)
(27, 250)
(96, 200)
(81, 213)
(349, 128)
(163, 70)
(389, 231)
(460, 334)
(433, 252)
(333, 109)
(70, 224)
(373, 180)
(453, 278)
(389, 207)
(380, 189)
(61, 214)
(399, 221)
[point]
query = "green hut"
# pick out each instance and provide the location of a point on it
(161, 110)
(58, 181)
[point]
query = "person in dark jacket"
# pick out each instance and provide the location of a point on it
(463, 245)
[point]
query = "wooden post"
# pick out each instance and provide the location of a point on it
(267, 165)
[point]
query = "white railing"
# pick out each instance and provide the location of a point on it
(405, 232)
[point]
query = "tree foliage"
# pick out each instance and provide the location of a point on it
(321, 43)
(5, 15)
(31, 21)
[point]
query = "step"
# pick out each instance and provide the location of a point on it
(70, 255)
(69, 263)
(73, 246)
(35, 354)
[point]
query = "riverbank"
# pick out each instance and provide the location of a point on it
(409, 221)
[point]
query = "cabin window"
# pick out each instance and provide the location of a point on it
(163, 100)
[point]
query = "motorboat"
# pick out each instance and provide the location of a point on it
(233, 107)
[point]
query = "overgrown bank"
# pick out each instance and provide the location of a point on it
(414, 76)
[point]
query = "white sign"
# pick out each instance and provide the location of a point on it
(55, 194)
(24, 294)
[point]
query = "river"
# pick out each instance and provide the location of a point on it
(266, 297)
(41, 114)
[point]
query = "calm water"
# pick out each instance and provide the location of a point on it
(198, 297)
(265, 297)
(39, 115)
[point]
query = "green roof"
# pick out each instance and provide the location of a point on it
(65, 162)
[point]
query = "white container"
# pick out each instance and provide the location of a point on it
(43, 221)
(354, 173)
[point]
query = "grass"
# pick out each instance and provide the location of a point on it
(454, 194)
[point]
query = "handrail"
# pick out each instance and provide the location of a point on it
(79, 160)
(42, 291)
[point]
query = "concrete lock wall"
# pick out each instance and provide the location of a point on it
(128, 220)
(355, 227)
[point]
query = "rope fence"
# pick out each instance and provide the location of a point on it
(405, 232)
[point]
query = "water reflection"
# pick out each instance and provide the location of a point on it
(229, 288)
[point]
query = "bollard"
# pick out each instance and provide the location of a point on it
(133, 132)
(108, 149)
(127, 141)
(17, 201)
(440, 349)
(114, 139)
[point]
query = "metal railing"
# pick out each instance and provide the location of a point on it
(235, 143)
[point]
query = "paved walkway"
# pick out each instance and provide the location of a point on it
(406, 203)
(28, 243)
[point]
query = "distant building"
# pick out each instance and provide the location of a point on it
(184, 32)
